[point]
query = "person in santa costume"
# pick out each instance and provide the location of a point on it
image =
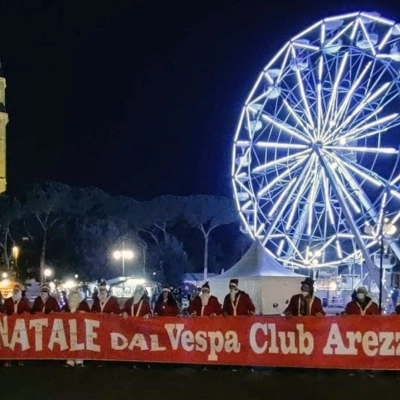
(45, 303)
(166, 305)
(237, 302)
(137, 305)
(75, 303)
(104, 303)
(362, 304)
(16, 304)
(205, 305)
(305, 303)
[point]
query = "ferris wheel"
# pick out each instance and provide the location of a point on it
(315, 165)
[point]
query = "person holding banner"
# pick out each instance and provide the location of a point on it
(137, 305)
(45, 303)
(104, 303)
(237, 302)
(362, 304)
(205, 305)
(16, 304)
(166, 305)
(305, 303)
(75, 303)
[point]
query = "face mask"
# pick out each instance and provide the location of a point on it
(102, 295)
(17, 295)
(360, 296)
(305, 294)
(44, 295)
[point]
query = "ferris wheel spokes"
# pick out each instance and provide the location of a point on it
(326, 92)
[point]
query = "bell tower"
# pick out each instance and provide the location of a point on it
(3, 124)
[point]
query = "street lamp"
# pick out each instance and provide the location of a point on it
(4, 275)
(47, 273)
(123, 255)
(385, 228)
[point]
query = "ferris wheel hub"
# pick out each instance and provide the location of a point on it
(317, 145)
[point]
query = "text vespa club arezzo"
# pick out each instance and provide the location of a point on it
(331, 342)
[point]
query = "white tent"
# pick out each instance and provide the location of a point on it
(263, 278)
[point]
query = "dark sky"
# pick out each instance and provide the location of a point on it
(140, 98)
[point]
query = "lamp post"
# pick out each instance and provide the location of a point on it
(123, 255)
(386, 227)
(47, 273)
(381, 270)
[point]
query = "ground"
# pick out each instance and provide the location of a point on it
(119, 381)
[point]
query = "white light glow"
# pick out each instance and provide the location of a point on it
(70, 284)
(124, 254)
(281, 161)
(285, 128)
(279, 178)
(48, 272)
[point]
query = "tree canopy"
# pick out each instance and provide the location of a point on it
(75, 230)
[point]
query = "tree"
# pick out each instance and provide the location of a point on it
(207, 213)
(10, 211)
(49, 203)
(162, 213)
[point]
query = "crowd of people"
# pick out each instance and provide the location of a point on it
(236, 303)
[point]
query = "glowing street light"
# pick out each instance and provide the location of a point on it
(4, 275)
(47, 273)
(123, 255)
(15, 254)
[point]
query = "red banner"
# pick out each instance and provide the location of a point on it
(330, 342)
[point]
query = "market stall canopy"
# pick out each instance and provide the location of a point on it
(256, 262)
(268, 283)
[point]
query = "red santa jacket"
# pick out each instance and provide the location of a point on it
(163, 309)
(22, 306)
(83, 307)
(110, 306)
(314, 306)
(355, 308)
(140, 309)
(241, 306)
(50, 305)
(212, 307)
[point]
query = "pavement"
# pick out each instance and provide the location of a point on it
(49, 380)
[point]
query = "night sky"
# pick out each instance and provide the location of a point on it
(139, 98)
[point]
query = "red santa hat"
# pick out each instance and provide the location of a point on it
(139, 289)
(206, 286)
(234, 282)
(45, 287)
(103, 284)
(166, 288)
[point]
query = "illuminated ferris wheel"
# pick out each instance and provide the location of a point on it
(316, 152)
